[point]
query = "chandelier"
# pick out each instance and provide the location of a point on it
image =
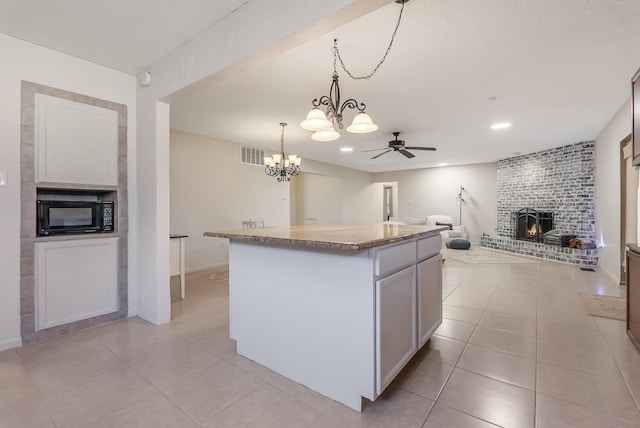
(324, 123)
(281, 166)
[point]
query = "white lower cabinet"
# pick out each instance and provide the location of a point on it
(408, 306)
(429, 298)
(75, 280)
(395, 324)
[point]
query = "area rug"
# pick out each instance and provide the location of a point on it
(219, 276)
(605, 306)
(477, 255)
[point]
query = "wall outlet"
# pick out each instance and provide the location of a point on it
(221, 245)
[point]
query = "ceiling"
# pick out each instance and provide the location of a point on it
(128, 35)
(557, 70)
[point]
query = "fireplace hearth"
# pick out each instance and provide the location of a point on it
(531, 224)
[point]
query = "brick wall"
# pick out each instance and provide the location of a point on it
(560, 180)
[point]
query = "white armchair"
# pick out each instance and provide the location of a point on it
(455, 232)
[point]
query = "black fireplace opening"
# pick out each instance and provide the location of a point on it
(531, 224)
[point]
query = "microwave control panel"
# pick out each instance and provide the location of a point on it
(107, 216)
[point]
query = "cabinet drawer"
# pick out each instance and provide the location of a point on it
(428, 247)
(392, 258)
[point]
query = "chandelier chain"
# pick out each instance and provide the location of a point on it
(336, 52)
(282, 138)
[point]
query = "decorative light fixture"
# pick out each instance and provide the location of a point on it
(281, 166)
(460, 198)
(324, 123)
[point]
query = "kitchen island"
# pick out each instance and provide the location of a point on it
(340, 309)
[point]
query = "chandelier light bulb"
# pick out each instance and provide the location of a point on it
(316, 121)
(362, 124)
(329, 134)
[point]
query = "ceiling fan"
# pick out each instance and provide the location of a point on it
(398, 146)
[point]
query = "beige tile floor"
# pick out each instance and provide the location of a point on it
(516, 349)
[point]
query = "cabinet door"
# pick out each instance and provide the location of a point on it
(429, 298)
(75, 280)
(75, 142)
(396, 336)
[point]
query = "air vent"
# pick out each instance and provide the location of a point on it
(252, 156)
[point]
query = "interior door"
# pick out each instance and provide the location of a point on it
(387, 203)
(628, 202)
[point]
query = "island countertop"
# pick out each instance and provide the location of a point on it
(343, 237)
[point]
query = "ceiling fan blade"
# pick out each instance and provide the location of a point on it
(377, 156)
(373, 150)
(406, 153)
(431, 149)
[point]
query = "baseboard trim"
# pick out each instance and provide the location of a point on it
(205, 267)
(615, 278)
(10, 344)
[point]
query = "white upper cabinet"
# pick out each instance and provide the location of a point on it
(75, 143)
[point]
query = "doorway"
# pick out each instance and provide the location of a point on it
(389, 201)
(628, 203)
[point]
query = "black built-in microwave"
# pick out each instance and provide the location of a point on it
(74, 217)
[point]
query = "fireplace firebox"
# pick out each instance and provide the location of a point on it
(531, 224)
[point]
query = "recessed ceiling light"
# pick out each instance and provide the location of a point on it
(500, 125)
(346, 149)
(443, 164)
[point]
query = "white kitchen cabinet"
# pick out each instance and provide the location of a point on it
(429, 297)
(408, 303)
(343, 322)
(75, 143)
(75, 280)
(396, 315)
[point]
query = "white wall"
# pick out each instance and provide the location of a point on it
(335, 194)
(212, 190)
(422, 192)
(608, 189)
(318, 197)
(25, 61)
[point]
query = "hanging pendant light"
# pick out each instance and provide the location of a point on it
(325, 123)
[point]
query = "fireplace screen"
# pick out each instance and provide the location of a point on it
(531, 225)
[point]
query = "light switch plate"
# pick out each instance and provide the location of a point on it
(3, 178)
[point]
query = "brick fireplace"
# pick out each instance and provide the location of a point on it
(559, 185)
